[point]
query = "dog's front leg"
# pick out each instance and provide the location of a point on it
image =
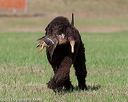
(62, 75)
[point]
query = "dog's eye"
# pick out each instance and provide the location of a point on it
(57, 26)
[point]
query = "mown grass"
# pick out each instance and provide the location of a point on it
(24, 71)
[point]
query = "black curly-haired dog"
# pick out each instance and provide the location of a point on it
(64, 47)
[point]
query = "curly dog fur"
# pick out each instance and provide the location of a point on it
(63, 58)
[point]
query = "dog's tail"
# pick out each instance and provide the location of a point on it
(72, 22)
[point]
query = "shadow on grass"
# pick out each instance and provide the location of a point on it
(76, 89)
(89, 88)
(93, 87)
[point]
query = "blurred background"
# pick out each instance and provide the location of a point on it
(90, 15)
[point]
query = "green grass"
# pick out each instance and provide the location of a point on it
(24, 71)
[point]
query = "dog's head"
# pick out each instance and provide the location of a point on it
(56, 34)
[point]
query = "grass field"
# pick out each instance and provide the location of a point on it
(24, 71)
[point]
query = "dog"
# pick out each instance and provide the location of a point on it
(64, 47)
